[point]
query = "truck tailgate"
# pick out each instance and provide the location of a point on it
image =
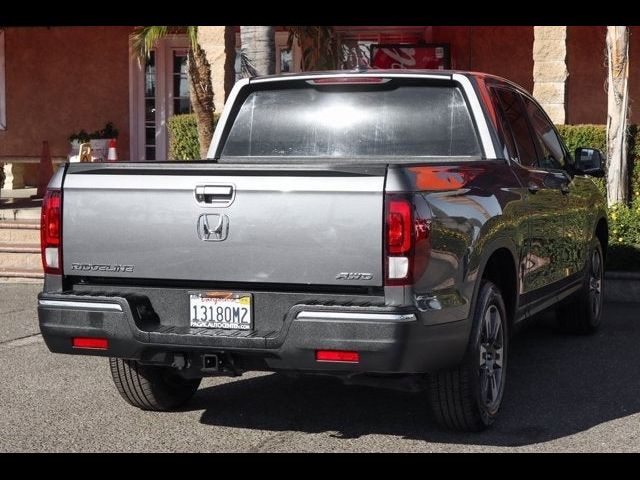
(290, 224)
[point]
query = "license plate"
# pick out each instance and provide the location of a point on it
(226, 310)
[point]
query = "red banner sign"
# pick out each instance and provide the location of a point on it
(410, 56)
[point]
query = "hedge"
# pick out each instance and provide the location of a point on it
(624, 220)
(183, 137)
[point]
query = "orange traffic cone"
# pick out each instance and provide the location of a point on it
(45, 172)
(112, 154)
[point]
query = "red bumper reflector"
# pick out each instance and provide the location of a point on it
(337, 356)
(86, 342)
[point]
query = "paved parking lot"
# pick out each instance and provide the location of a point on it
(564, 394)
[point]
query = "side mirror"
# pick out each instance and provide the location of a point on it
(589, 161)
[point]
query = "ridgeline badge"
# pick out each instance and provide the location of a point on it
(102, 267)
(354, 276)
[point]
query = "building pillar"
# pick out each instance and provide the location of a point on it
(550, 70)
(15, 176)
(211, 39)
(8, 176)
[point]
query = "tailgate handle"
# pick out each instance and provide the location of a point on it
(215, 195)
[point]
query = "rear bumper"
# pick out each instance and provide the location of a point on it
(388, 340)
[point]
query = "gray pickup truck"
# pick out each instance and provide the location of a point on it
(390, 228)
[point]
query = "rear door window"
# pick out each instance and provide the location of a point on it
(517, 118)
(354, 121)
(552, 154)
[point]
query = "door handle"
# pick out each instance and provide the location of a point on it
(215, 195)
(564, 188)
(533, 187)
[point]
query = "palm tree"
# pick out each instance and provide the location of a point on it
(200, 91)
(318, 45)
(258, 50)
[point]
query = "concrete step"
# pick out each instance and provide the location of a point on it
(21, 276)
(20, 256)
(7, 213)
(25, 231)
(19, 205)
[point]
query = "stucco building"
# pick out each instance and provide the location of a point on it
(55, 81)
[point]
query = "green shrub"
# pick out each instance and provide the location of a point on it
(595, 136)
(109, 131)
(183, 137)
(624, 220)
(575, 136)
(624, 236)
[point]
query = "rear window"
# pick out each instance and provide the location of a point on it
(414, 121)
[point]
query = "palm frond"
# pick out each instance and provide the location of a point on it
(145, 38)
(192, 33)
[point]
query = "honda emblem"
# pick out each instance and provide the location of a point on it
(213, 227)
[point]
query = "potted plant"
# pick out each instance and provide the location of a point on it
(99, 140)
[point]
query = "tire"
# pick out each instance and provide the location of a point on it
(582, 314)
(465, 398)
(150, 387)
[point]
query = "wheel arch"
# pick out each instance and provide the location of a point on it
(500, 266)
(602, 233)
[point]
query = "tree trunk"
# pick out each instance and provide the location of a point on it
(258, 51)
(201, 93)
(318, 46)
(617, 108)
(229, 60)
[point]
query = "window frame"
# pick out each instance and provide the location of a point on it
(568, 160)
(503, 126)
(517, 94)
(163, 97)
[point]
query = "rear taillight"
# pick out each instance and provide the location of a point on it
(407, 242)
(51, 232)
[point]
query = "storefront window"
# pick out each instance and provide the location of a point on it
(286, 60)
(150, 107)
(181, 99)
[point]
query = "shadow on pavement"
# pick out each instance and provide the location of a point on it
(558, 385)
